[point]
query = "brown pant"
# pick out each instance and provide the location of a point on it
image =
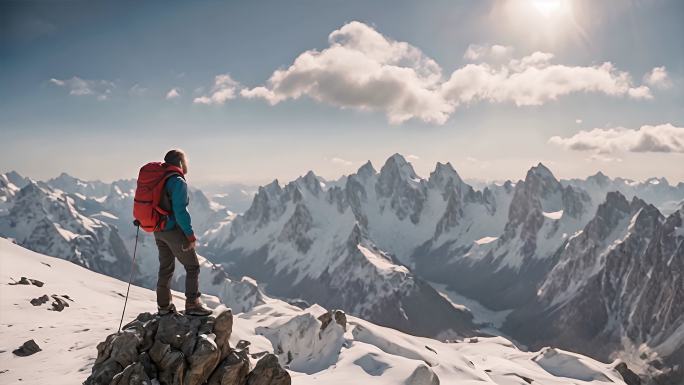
(170, 244)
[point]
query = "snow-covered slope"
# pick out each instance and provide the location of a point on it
(352, 352)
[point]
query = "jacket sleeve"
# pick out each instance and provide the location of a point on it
(178, 189)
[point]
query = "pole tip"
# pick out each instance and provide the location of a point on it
(136, 223)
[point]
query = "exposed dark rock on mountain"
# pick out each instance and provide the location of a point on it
(27, 281)
(27, 348)
(180, 350)
(617, 282)
(505, 272)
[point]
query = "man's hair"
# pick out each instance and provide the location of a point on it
(175, 157)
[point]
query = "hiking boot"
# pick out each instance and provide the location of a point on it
(171, 308)
(196, 307)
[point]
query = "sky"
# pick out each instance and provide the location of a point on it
(258, 90)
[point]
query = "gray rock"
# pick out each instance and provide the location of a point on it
(59, 303)
(269, 372)
(203, 360)
(27, 348)
(232, 371)
(40, 300)
(223, 328)
(339, 316)
(423, 375)
(627, 374)
(134, 374)
(27, 281)
(243, 345)
(179, 350)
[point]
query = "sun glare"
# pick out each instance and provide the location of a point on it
(547, 7)
(538, 21)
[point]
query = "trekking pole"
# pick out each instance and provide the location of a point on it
(135, 249)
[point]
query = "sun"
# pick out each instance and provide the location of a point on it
(549, 8)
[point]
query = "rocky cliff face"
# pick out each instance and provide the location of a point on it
(503, 270)
(617, 287)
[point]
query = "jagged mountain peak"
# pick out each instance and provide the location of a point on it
(396, 167)
(540, 171)
(272, 188)
(637, 203)
(31, 189)
(367, 170)
(310, 182)
(616, 198)
(443, 174)
(599, 178)
(63, 174)
(17, 179)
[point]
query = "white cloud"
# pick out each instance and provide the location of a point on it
(137, 90)
(533, 80)
(224, 89)
(340, 161)
(602, 158)
(365, 70)
(173, 93)
(578, 121)
(100, 89)
(660, 138)
(412, 157)
(658, 78)
(476, 52)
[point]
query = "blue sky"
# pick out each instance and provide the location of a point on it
(492, 87)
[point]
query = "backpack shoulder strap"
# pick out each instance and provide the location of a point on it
(165, 196)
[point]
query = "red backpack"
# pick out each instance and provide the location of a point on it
(151, 180)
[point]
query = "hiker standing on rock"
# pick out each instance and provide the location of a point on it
(161, 206)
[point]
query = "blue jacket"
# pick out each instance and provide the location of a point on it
(177, 190)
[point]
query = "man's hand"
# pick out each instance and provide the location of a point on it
(191, 246)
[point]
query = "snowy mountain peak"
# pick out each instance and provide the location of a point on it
(310, 182)
(17, 179)
(398, 164)
(394, 173)
(540, 171)
(444, 175)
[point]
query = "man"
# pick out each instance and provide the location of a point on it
(177, 241)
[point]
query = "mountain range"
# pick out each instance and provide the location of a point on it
(592, 265)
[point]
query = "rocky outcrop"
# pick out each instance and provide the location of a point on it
(27, 348)
(27, 281)
(181, 350)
